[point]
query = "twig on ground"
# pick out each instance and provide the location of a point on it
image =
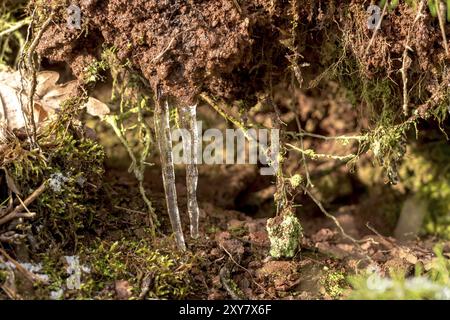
(247, 271)
(336, 222)
(225, 279)
(145, 287)
(130, 210)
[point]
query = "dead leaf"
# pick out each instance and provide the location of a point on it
(45, 81)
(96, 108)
(14, 100)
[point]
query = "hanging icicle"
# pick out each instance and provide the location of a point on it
(164, 137)
(190, 147)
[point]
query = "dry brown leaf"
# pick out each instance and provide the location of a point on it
(13, 95)
(96, 108)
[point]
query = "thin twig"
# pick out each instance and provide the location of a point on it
(314, 155)
(225, 278)
(18, 211)
(129, 210)
(305, 165)
(247, 271)
(327, 138)
(336, 222)
(238, 7)
(440, 11)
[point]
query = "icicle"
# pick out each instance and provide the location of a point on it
(162, 126)
(190, 146)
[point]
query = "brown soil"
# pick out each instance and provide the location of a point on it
(239, 243)
(181, 47)
(233, 51)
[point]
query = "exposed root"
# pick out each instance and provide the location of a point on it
(406, 60)
(441, 16)
(32, 72)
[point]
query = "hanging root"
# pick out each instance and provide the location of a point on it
(406, 60)
(162, 127)
(190, 146)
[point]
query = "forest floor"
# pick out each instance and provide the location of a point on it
(234, 246)
(231, 258)
(314, 68)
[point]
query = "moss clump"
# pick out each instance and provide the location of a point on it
(285, 233)
(3, 276)
(71, 163)
(167, 273)
(163, 272)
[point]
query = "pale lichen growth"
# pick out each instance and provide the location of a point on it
(285, 232)
(57, 182)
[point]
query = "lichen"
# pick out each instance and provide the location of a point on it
(285, 233)
(335, 283)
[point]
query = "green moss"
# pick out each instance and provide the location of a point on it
(133, 261)
(72, 166)
(3, 276)
(93, 72)
(238, 231)
(129, 260)
(10, 42)
(285, 232)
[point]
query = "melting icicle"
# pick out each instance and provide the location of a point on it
(162, 126)
(190, 146)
